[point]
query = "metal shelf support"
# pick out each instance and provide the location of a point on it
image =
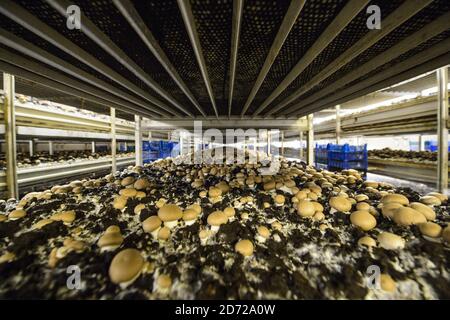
(138, 140)
(310, 141)
(442, 132)
(113, 141)
(338, 124)
(10, 136)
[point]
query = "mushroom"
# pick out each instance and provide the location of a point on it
(263, 234)
(152, 225)
(215, 219)
(279, 200)
(111, 239)
(126, 267)
(398, 198)
(17, 214)
(428, 212)
(430, 229)
(164, 233)
(170, 214)
(340, 203)
(367, 241)
(244, 247)
(405, 216)
(189, 216)
(305, 208)
(390, 241)
(66, 216)
(363, 220)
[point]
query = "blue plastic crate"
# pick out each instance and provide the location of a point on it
(344, 157)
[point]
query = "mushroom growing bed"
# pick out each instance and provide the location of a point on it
(173, 230)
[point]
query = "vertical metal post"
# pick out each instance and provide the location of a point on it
(30, 147)
(310, 141)
(93, 146)
(301, 145)
(282, 143)
(50, 148)
(138, 140)
(113, 140)
(181, 142)
(338, 124)
(10, 136)
(442, 174)
(268, 143)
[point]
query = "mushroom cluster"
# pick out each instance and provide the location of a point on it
(230, 230)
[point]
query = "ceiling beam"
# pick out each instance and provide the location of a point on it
(129, 12)
(390, 23)
(345, 16)
(224, 122)
(42, 71)
(21, 16)
(96, 35)
(288, 22)
(55, 85)
(189, 22)
(39, 54)
(431, 30)
(235, 32)
(414, 69)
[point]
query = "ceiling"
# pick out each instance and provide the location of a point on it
(188, 59)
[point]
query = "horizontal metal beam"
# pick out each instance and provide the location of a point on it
(390, 23)
(405, 70)
(345, 16)
(431, 30)
(49, 83)
(227, 123)
(35, 52)
(189, 22)
(140, 27)
(31, 23)
(288, 22)
(96, 35)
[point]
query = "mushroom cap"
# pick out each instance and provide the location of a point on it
(16, 214)
(390, 241)
(3, 218)
(164, 281)
(127, 181)
(214, 192)
(276, 225)
(279, 199)
(120, 202)
(196, 207)
(128, 192)
(317, 206)
(427, 211)
(170, 212)
(217, 218)
(388, 209)
(110, 239)
(430, 229)
(387, 283)
(438, 195)
(305, 208)
(446, 233)
(362, 206)
(141, 183)
(139, 208)
(203, 234)
(363, 220)
(361, 197)
(430, 200)
(263, 231)
(65, 216)
(41, 223)
(270, 185)
(340, 203)
(398, 198)
(302, 194)
(164, 233)
(407, 216)
(151, 224)
(367, 241)
(244, 247)
(229, 211)
(125, 266)
(189, 214)
(112, 229)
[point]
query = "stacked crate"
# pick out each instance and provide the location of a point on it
(343, 157)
